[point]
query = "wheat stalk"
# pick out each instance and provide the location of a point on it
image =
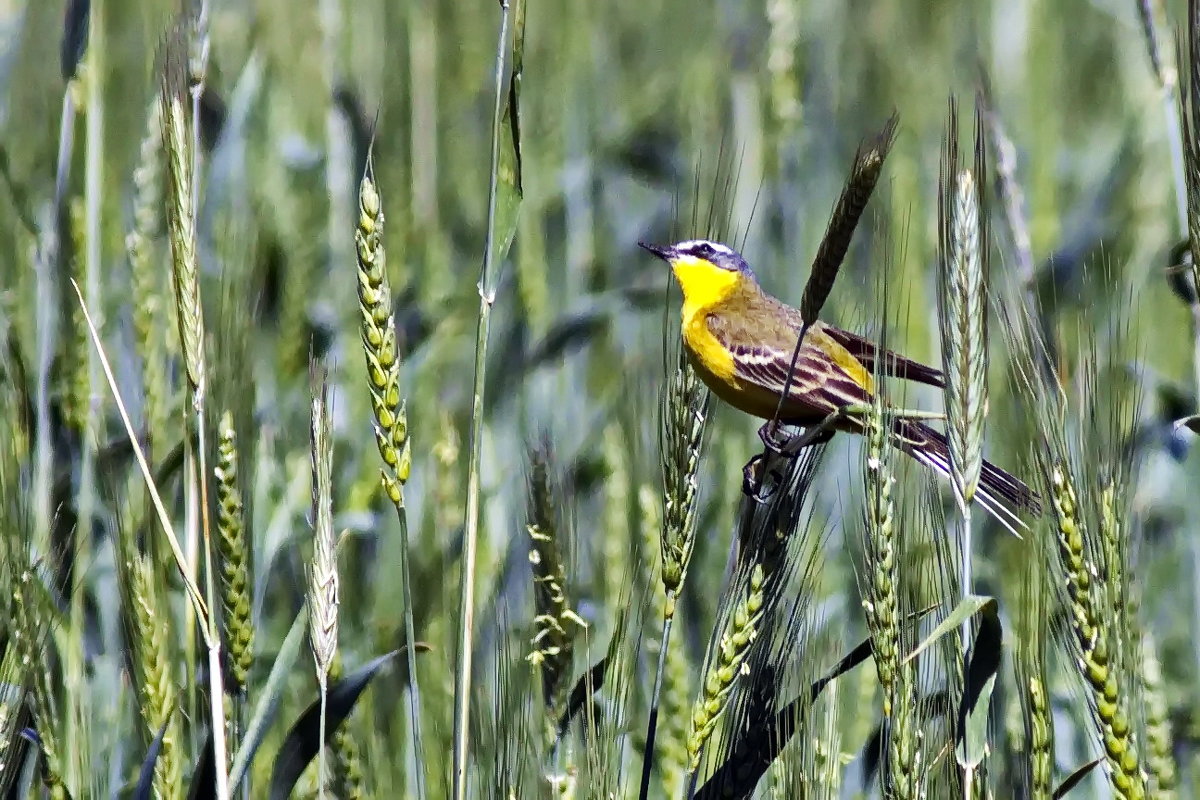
(488, 280)
(381, 350)
(684, 410)
(180, 153)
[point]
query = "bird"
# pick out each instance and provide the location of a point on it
(741, 341)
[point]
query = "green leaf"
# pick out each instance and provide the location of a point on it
(204, 775)
(268, 698)
(144, 789)
(302, 742)
(968, 607)
(588, 684)
(509, 187)
(754, 752)
(1074, 779)
(593, 680)
(982, 668)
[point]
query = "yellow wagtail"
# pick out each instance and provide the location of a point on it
(741, 342)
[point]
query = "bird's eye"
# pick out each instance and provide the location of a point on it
(704, 249)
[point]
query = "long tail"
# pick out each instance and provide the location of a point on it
(999, 492)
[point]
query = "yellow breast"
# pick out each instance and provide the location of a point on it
(715, 366)
(705, 286)
(706, 351)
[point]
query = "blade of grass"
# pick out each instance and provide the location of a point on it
(269, 696)
(487, 297)
(164, 518)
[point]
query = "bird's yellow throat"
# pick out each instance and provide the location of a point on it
(703, 283)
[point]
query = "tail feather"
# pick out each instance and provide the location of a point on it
(999, 492)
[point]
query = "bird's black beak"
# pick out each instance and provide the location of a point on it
(659, 250)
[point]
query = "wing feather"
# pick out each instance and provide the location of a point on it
(894, 364)
(817, 382)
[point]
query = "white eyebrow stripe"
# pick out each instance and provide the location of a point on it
(716, 246)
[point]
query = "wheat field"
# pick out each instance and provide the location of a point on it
(348, 448)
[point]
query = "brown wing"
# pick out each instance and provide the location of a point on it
(817, 383)
(894, 365)
(762, 345)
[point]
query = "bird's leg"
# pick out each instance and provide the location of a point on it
(817, 434)
(778, 444)
(772, 436)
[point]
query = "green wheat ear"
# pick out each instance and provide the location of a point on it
(323, 574)
(685, 416)
(234, 552)
(1092, 640)
(349, 778)
(880, 602)
(381, 350)
(555, 621)
(159, 684)
(181, 214)
(738, 631)
(379, 343)
(146, 278)
(962, 309)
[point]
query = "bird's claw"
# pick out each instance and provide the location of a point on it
(774, 439)
(754, 483)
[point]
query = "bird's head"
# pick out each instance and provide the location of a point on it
(706, 271)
